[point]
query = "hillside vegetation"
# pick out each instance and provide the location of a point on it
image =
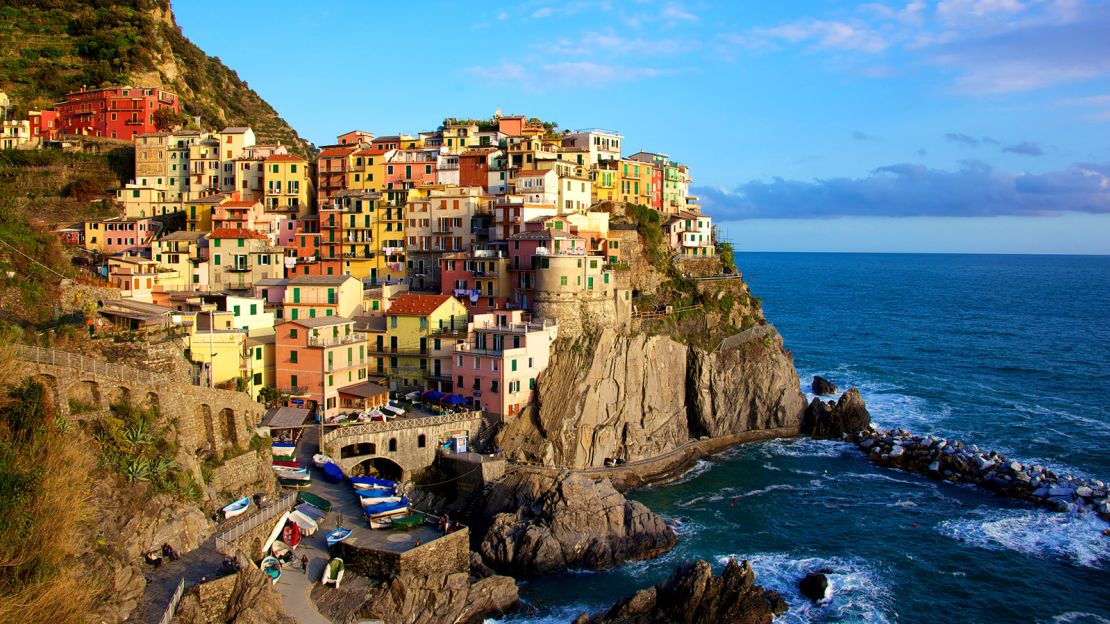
(51, 47)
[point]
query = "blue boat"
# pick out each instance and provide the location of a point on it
(363, 482)
(380, 508)
(333, 473)
(374, 492)
(236, 508)
(337, 536)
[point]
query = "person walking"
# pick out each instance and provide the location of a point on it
(304, 563)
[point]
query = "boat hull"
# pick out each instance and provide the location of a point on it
(337, 536)
(236, 508)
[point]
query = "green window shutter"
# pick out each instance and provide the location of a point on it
(254, 309)
(216, 259)
(235, 310)
(293, 380)
(293, 357)
(514, 365)
(295, 314)
(296, 295)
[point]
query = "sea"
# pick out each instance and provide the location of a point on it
(1011, 353)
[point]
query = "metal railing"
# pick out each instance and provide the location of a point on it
(171, 609)
(333, 341)
(400, 424)
(227, 537)
(90, 365)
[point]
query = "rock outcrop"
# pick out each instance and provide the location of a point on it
(822, 386)
(835, 420)
(814, 586)
(244, 598)
(637, 397)
(458, 598)
(692, 595)
(747, 387)
(542, 524)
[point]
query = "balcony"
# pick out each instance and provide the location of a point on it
(449, 332)
(384, 350)
(239, 267)
(518, 328)
(334, 341)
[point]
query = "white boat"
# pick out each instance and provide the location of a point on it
(236, 508)
(307, 525)
(282, 551)
(394, 409)
(382, 522)
(272, 568)
(320, 460)
(378, 500)
(333, 573)
(284, 450)
(285, 472)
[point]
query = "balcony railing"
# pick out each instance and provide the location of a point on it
(332, 341)
(376, 350)
(238, 268)
(519, 328)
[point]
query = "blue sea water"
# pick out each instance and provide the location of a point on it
(1008, 352)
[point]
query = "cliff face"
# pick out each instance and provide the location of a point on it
(639, 396)
(543, 524)
(603, 398)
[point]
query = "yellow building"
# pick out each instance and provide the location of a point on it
(414, 325)
(185, 254)
(220, 353)
(367, 169)
(261, 363)
(287, 185)
(198, 212)
(636, 185)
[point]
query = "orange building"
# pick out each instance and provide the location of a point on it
(316, 357)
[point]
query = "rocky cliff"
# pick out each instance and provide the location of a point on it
(692, 595)
(639, 396)
(542, 524)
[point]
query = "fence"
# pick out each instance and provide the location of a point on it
(171, 609)
(227, 537)
(378, 426)
(747, 335)
(90, 365)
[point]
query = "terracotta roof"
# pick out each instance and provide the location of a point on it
(530, 173)
(284, 158)
(335, 151)
(416, 305)
(235, 130)
(480, 151)
(236, 233)
(364, 390)
(320, 280)
(546, 234)
(239, 204)
(372, 152)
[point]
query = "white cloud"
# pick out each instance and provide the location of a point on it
(959, 10)
(832, 35)
(543, 12)
(502, 15)
(561, 75)
(613, 44)
(675, 11)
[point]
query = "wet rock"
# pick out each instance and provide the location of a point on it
(822, 386)
(541, 524)
(814, 586)
(410, 599)
(693, 595)
(833, 421)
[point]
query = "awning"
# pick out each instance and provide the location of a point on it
(454, 399)
(432, 395)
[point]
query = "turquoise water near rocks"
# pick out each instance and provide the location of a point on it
(1008, 352)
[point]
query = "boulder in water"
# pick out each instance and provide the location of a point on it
(814, 586)
(834, 420)
(822, 386)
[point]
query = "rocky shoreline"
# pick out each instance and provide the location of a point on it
(957, 462)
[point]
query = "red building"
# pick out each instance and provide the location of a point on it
(114, 112)
(474, 166)
(44, 125)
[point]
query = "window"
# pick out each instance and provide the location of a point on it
(513, 368)
(293, 357)
(293, 381)
(393, 445)
(493, 386)
(563, 280)
(292, 333)
(421, 441)
(393, 322)
(235, 310)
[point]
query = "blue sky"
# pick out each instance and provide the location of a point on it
(917, 125)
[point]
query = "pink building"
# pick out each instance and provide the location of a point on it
(497, 365)
(480, 279)
(406, 169)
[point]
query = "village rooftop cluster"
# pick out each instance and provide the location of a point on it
(445, 261)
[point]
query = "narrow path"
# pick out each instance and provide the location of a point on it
(161, 582)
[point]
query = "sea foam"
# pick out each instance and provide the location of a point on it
(1072, 537)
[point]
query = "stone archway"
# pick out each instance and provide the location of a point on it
(358, 449)
(151, 401)
(120, 395)
(205, 424)
(84, 395)
(381, 467)
(228, 431)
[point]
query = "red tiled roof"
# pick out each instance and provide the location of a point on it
(336, 151)
(372, 152)
(528, 173)
(239, 204)
(416, 305)
(236, 233)
(284, 158)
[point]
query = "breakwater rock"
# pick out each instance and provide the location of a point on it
(541, 524)
(822, 386)
(952, 460)
(693, 595)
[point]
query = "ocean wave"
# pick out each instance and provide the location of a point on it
(1074, 537)
(780, 487)
(533, 615)
(681, 525)
(858, 590)
(804, 447)
(1079, 617)
(699, 468)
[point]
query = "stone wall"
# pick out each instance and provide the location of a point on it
(245, 474)
(209, 600)
(445, 555)
(578, 314)
(405, 435)
(72, 295)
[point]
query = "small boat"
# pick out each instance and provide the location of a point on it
(314, 513)
(287, 463)
(292, 473)
(373, 501)
(370, 481)
(410, 521)
(333, 574)
(291, 535)
(271, 568)
(236, 508)
(393, 408)
(294, 484)
(374, 491)
(304, 522)
(321, 460)
(318, 502)
(337, 536)
(284, 450)
(400, 503)
(381, 522)
(333, 473)
(282, 552)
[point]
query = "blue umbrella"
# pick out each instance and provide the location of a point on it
(454, 399)
(432, 395)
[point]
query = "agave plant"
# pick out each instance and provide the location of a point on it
(136, 469)
(138, 434)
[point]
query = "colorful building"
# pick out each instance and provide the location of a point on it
(321, 295)
(480, 279)
(440, 220)
(239, 258)
(316, 357)
(118, 234)
(186, 255)
(115, 112)
(690, 234)
(414, 324)
(287, 185)
(497, 365)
